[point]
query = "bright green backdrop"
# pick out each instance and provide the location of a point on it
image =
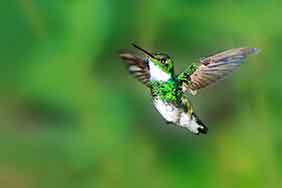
(71, 116)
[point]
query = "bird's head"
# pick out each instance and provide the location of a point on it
(161, 60)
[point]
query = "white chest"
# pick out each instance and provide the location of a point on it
(169, 112)
(157, 74)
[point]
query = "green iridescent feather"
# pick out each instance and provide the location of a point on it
(168, 91)
(184, 76)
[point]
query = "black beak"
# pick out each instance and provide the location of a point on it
(143, 50)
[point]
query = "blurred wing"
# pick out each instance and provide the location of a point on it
(137, 67)
(213, 68)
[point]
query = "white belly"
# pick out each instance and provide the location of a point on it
(176, 115)
(169, 112)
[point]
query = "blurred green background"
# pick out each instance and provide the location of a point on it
(71, 116)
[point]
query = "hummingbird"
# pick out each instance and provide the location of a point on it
(169, 90)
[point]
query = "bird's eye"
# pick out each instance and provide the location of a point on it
(163, 61)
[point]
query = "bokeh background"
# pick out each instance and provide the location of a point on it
(71, 116)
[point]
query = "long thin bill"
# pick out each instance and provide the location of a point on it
(143, 50)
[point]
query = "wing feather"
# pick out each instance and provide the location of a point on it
(213, 68)
(137, 67)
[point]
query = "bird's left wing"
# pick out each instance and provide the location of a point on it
(210, 69)
(137, 67)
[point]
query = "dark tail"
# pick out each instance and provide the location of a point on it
(203, 128)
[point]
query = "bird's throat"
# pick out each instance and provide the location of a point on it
(157, 74)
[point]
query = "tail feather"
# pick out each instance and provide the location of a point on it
(190, 120)
(202, 128)
(192, 123)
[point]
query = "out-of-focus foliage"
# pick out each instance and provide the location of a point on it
(71, 116)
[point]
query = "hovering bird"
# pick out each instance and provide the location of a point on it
(156, 71)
